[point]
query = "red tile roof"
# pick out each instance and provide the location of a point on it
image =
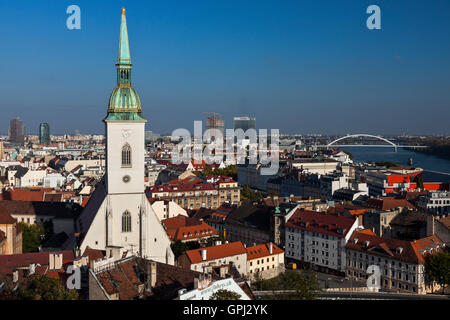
(184, 228)
(9, 262)
(320, 222)
(216, 252)
(388, 203)
(5, 217)
(85, 201)
(352, 209)
(262, 250)
(25, 194)
(408, 251)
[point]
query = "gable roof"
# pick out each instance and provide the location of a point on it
(5, 217)
(407, 251)
(25, 194)
(262, 250)
(9, 262)
(38, 208)
(388, 203)
(184, 228)
(330, 224)
(217, 252)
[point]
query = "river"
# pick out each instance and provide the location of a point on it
(420, 160)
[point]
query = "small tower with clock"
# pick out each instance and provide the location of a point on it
(125, 128)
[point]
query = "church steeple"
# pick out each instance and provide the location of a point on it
(124, 102)
(124, 47)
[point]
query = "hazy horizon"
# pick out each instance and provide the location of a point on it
(299, 66)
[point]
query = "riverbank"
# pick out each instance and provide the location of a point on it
(422, 160)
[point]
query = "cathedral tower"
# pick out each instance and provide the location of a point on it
(125, 128)
(118, 215)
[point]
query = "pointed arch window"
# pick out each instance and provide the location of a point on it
(126, 156)
(126, 222)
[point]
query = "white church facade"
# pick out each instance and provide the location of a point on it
(118, 214)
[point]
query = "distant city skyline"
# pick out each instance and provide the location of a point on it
(298, 66)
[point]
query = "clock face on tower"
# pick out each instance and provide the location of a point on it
(126, 178)
(126, 133)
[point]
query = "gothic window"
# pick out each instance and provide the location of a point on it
(126, 222)
(126, 156)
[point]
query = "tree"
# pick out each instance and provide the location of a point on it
(249, 194)
(178, 248)
(230, 171)
(224, 294)
(303, 284)
(43, 287)
(437, 269)
(32, 236)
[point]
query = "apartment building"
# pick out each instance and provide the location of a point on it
(195, 193)
(204, 259)
(317, 239)
(435, 201)
(264, 261)
(401, 263)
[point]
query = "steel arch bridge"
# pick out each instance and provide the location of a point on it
(362, 135)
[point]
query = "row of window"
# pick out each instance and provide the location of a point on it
(261, 260)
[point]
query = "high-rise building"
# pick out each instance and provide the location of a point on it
(214, 122)
(244, 123)
(44, 133)
(16, 131)
(1, 150)
(119, 218)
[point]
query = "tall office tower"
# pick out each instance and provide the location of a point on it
(214, 122)
(44, 133)
(244, 123)
(1, 150)
(17, 131)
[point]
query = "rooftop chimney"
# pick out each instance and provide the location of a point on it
(151, 275)
(270, 248)
(204, 254)
(55, 261)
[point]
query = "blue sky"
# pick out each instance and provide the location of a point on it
(299, 66)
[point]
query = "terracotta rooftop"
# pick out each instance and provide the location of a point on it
(25, 194)
(262, 250)
(40, 208)
(9, 262)
(324, 223)
(128, 279)
(184, 228)
(217, 252)
(5, 217)
(388, 203)
(407, 251)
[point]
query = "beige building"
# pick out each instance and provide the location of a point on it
(165, 209)
(204, 259)
(188, 194)
(10, 234)
(265, 261)
(401, 263)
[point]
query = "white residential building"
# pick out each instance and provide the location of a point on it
(318, 239)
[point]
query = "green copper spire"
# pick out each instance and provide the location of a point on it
(124, 47)
(124, 102)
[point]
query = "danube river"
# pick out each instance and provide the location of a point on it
(420, 160)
